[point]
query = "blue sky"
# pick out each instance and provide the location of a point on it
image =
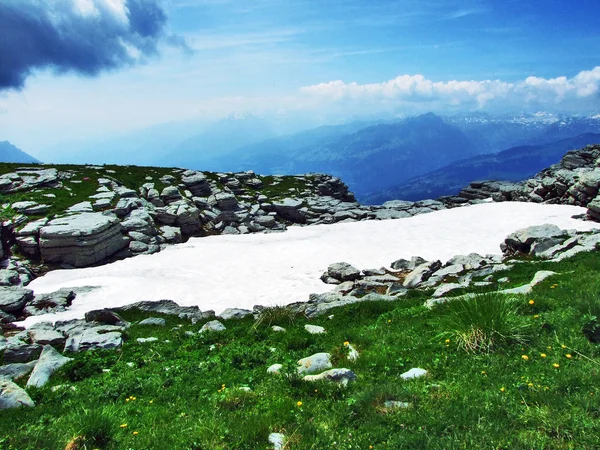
(123, 64)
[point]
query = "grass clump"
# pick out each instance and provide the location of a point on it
(482, 323)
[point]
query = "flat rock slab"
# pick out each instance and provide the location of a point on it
(315, 363)
(340, 376)
(82, 239)
(415, 372)
(14, 298)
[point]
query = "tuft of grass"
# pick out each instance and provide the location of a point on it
(276, 315)
(483, 323)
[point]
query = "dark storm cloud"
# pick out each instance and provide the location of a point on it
(83, 36)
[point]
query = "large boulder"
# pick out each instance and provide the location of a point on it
(343, 271)
(81, 240)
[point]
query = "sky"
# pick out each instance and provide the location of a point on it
(72, 69)
(240, 271)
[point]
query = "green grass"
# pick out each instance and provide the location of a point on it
(185, 393)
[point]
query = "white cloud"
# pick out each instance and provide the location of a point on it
(580, 91)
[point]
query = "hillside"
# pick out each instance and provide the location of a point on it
(514, 164)
(11, 154)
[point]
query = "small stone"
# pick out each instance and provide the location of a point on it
(153, 321)
(314, 329)
(278, 441)
(275, 368)
(315, 363)
(278, 329)
(415, 372)
(148, 339)
(213, 325)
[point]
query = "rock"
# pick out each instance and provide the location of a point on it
(421, 274)
(234, 313)
(46, 335)
(145, 340)
(196, 182)
(343, 271)
(469, 262)
(539, 276)
(405, 265)
(106, 317)
(340, 376)
(224, 201)
(21, 353)
(91, 338)
(83, 207)
(12, 396)
(413, 373)
(153, 321)
(28, 179)
(352, 353)
(315, 363)
(445, 288)
(14, 298)
(81, 240)
(50, 361)
(393, 404)
(167, 307)
(51, 302)
(170, 194)
(290, 209)
(278, 440)
(16, 371)
(521, 240)
(275, 368)
(314, 329)
(278, 329)
(171, 235)
(213, 325)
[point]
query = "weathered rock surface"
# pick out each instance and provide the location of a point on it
(50, 361)
(12, 396)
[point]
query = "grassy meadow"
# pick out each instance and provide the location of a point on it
(504, 373)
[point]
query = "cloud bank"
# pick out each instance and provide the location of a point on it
(83, 36)
(413, 93)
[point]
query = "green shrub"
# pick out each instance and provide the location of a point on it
(483, 323)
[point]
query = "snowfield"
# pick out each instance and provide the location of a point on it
(241, 271)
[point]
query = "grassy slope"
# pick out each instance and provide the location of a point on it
(84, 183)
(186, 394)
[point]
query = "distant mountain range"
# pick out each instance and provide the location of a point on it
(12, 154)
(514, 164)
(373, 157)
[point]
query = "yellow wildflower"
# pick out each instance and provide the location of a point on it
(447, 341)
(123, 425)
(299, 403)
(502, 389)
(563, 346)
(525, 357)
(530, 384)
(346, 343)
(555, 365)
(135, 433)
(568, 355)
(537, 316)
(531, 302)
(543, 355)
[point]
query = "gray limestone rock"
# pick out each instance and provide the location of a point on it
(521, 240)
(234, 313)
(14, 298)
(12, 396)
(96, 337)
(213, 325)
(343, 271)
(413, 373)
(405, 265)
(421, 274)
(105, 317)
(153, 321)
(81, 240)
(314, 329)
(49, 362)
(339, 376)
(21, 353)
(16, 371)
(315, 363)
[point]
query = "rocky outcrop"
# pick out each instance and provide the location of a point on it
(81, 240)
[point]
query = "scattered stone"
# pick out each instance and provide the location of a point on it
(14, 298)
(278, 329)
(16, 371)
(213, 325)
(106, 317)
(343, 272)
(145, 340)
(234, 313)
(393, 404)
(413, 373)
(314, 329)
(340, 376)
(315, 363)
(153, 321)
(275, 368)
(278, 441)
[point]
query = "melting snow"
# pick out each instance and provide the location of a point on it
(272, 269)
